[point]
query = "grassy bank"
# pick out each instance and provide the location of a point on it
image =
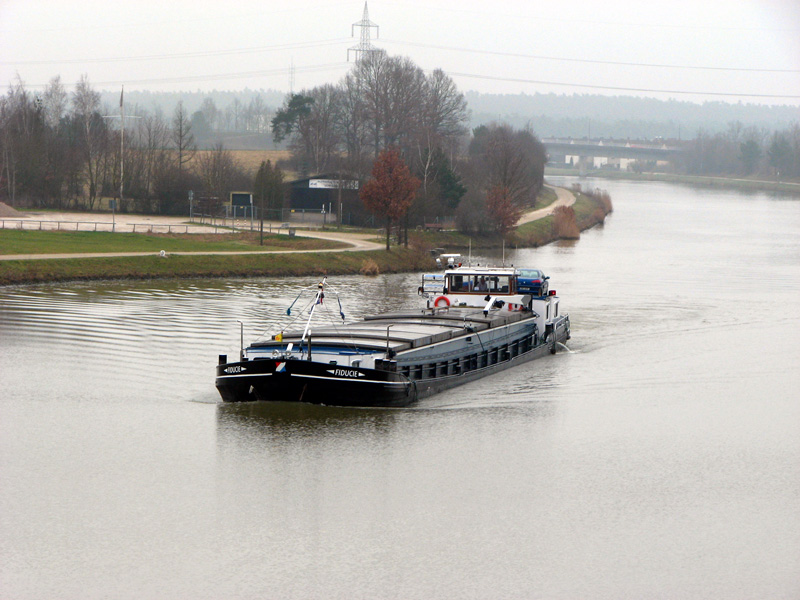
(14, 272)
(13, 241)
(694, 180)
(455, 240)
(589, 211)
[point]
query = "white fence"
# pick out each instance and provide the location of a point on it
(43, 225)
(201, 224)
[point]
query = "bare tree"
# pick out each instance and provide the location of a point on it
(15, 111)
(371, 71)
(442, 121)
(153, 139)
(403, 103)
(211, 113)
(503, 158)
(269, 191)
(309, 120)
(183, 140)
(218, 170)
(257, 115)
(55, 101)
(351, 123)
(92, 131)
(233, 115)
(317, 129)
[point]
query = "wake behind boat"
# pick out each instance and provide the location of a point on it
(476, 321)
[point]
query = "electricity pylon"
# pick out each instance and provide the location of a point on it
(364, 45)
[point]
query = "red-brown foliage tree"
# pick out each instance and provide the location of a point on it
(391, 190)
(502, 209)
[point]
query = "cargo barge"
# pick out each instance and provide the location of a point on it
(476, 321)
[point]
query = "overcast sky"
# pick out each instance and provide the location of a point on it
(730, 50)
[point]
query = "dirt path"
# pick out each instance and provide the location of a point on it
(124, 223)
(565, 198)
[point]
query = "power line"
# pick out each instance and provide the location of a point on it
(221, 76)
(332, 66)
(201, 54)
(620, 89)
(588, 61)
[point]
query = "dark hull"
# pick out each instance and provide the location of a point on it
(297, 380)
(317, 383)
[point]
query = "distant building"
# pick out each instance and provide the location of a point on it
(311, 196)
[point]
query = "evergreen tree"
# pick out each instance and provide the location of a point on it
(268, 191)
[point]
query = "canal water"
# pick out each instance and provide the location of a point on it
(657, 457)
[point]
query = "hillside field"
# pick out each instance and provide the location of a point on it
(250, 160)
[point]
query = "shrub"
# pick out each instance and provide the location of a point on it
(565, 225)
(369, 267)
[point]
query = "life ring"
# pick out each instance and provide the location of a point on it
(442, 301)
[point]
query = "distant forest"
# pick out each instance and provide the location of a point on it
(549, 115)
(623, 117)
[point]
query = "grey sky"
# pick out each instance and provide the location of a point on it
(744, 50)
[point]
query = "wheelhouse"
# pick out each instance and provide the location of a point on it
(480, 281)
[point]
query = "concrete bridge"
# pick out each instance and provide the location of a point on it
(619, 153)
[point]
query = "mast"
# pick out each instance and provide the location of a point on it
(317, 300)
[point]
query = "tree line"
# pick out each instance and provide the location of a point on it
(743, 151)
(388, 105)
(62, 150)
(624, 117)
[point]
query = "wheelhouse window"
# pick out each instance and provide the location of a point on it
(479, 284)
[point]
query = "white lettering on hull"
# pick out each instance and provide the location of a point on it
(345, 373)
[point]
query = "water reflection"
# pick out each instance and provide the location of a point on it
(289, 420)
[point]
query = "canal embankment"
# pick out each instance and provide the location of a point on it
(755, 184)
(29, 257)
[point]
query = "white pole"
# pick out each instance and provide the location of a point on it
(121, 155)
(320, 291)
(122, 144)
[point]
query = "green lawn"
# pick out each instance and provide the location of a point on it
(13, 241)
(16, 272)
